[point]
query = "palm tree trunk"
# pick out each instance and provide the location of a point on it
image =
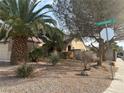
(19, 50)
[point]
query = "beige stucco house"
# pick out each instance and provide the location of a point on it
(75, 44)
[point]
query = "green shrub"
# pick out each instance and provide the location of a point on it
(35, 54)
(54, 58)
(24, 71)
(63, 55)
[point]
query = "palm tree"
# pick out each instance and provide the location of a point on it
(23, 17)
(53, 39)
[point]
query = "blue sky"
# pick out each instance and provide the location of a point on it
(46, 2)
(43, 2)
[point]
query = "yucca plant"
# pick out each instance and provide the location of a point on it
(54, 58)
(24, 71)
(24, 19)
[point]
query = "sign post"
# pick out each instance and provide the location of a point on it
(105, 35)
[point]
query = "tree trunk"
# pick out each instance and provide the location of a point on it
(101, 49)
(19, 53)
(104, 56)
(104, 52)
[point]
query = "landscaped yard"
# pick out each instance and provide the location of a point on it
(44, 40)
(62, 78)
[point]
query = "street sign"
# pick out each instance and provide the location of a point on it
(110, 21)
(107, 34)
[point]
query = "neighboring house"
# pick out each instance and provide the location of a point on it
(73, 47)
(5, 48)
(75, 44)
(5, 51)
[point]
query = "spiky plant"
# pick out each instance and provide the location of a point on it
(23, 17)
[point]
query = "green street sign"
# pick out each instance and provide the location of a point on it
(110, 21)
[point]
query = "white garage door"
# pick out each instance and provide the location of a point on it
(4, 52)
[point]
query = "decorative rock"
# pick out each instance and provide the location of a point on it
(85, 73)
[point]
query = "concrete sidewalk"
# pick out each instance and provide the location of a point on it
(117, 85)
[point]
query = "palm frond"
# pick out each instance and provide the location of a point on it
(24, 18)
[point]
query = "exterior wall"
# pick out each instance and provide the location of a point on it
(5, 49)
(76, 45)
(32, 45)
(5, 52)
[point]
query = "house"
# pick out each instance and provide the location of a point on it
(5, 51)
(73, 47)
(5, 48)
(74, 44)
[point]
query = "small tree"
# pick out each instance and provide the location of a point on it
(80, 17)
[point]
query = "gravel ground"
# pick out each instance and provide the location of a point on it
(59, 79)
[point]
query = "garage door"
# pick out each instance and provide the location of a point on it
(4, 52)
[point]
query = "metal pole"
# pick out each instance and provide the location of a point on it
(107, 33)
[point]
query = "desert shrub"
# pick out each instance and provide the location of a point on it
(54, 59)
(35, 54)
(24, 71)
